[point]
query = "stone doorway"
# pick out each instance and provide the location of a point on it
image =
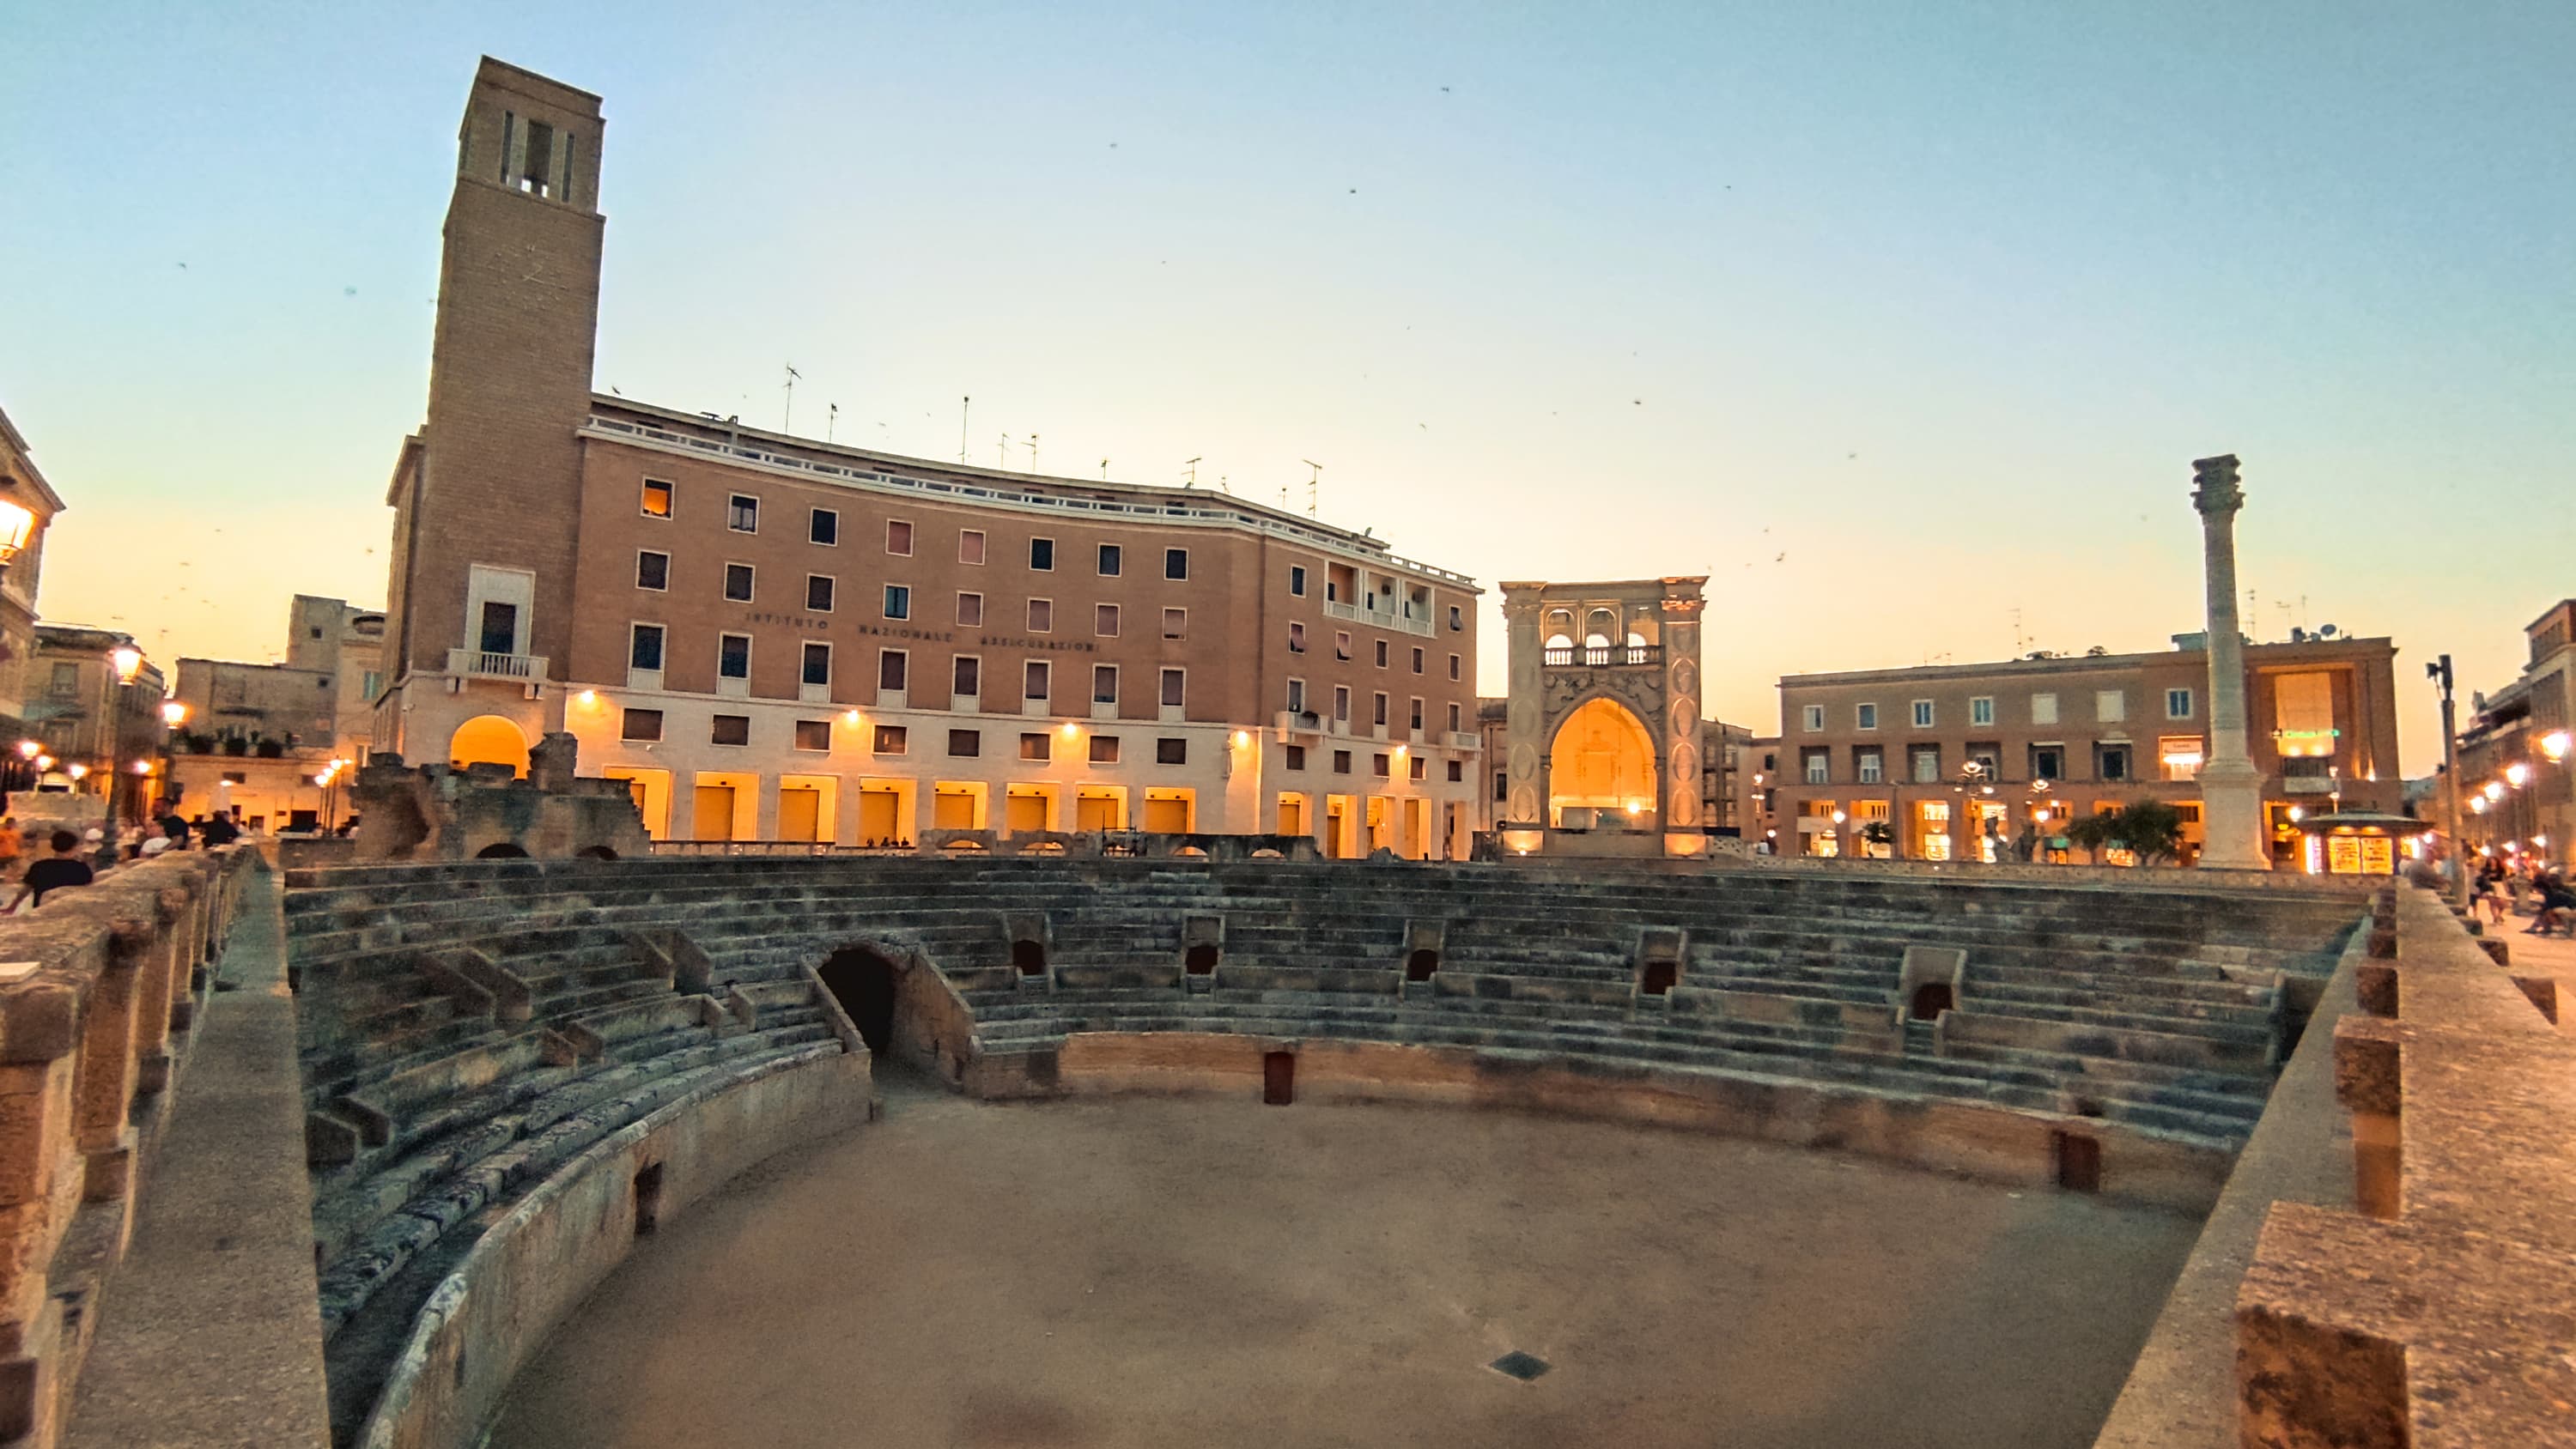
(861, 979)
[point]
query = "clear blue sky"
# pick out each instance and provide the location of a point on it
(1894, 320)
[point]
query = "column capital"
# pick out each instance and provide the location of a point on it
(2214, 489)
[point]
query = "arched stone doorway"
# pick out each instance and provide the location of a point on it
(1602, 760)
(862, 980)
(488, 739)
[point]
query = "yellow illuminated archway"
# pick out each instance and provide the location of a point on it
(488, 739)
(1602, 759)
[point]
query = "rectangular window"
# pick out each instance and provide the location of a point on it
(1457, 772)
(652, 570)
(1869, 765)
(657, 498)
(898, 601)
(737, 583)
(1175, 684)
(1380, 766)
(1176, 622)
(1923, 714)
(1416, 715)
(818, 593)
(733, 656)
(1981, 710)
(1042, 554)
(1812, 718)
(1296, 696)
(970, 610)
(1417, 661)
(1456, 663)
(966, 675)
(1421, 767)
(1296, 638)
(1109, 561)
(2043, 709)
(1297, 581)
(1104, 684)
(1818, 766)
(2110, 706)
(1379, 717)
(1034, 680)
(1041, 616)
(1341, 762)
(890, 740)
(1457, 619)
(1342, 703)
(2047, 762)
(1037, 745)
(892, 667)
(970, 545)
(814, 734)
(1170, 750)
(2115, 762)
(644, 647)
(898, 538)
(1104, 621)
(818, 664)
(730, 729)
(2303, 713)
(1342, 645)
(1104, 749)
(640, 724)
(1453, 716)
(965, 744)
(500, 632)
(742, 513)
(1927, 764)
(1176, 564)
(1865, 716)
(2177, 704)
(1382, 654)
(823, 526)
(1296, 757)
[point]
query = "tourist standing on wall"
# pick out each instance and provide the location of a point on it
(61, 869)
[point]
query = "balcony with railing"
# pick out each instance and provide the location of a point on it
(1605, 656)
(484, 664)
(1383, 619)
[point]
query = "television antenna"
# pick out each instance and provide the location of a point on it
(831, 420)
(788, 415)
(965, 405)
(1192, 480)
(1314, 480)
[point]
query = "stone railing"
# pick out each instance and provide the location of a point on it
(2032, 872)
(99, 993)
(2438, 1313)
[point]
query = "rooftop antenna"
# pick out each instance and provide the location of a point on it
(1104, 470)
(1002, 449)
(1221, 486)
(1313, 480)
(2019, 642)
(965, 405)
(1033, 452)
(1193, 480)
(831, 420)
(789, 415)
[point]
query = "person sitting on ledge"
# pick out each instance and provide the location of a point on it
(61, 869)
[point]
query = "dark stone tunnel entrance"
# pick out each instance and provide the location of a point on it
(862, 980)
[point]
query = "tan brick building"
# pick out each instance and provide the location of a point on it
(2517, 764)
(259, 740)
(22, 486)
(2052, 737)
(781, 639)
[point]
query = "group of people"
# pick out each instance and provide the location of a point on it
(67, 862)
(2499, 884)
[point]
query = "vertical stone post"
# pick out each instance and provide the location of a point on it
(1525, 787)
(1682, 604)
(2231, 790)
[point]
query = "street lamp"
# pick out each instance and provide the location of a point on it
(16, 523)
(127, 661)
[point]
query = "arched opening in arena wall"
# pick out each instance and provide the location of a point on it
(861, 979)
(1930, 1000)
(1601, 767)
(488, 739)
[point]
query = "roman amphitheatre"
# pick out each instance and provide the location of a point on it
(1209, 1145)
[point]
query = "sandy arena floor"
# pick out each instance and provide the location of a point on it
(1203, 1273)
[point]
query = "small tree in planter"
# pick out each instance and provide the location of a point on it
(1879, 837)
(236, 745)
(2149, 829)
(2092, 834)
(271, 749)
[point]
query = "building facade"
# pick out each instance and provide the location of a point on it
(260, 741)
(2517, 770)
(22, 563)
(87, 724)
(1947, 761)
(774, 638)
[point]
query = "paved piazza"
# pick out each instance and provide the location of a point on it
(1202, 1272)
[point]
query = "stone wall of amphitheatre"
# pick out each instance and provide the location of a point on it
(96, 1021)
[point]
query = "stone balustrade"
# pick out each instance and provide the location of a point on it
(99, 989)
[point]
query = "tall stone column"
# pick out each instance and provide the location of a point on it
(1683, 603)
(2231, 789)
(1524, 801)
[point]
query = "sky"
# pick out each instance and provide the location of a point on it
(1901, 321)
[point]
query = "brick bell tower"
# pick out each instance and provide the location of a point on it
(486, 495)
